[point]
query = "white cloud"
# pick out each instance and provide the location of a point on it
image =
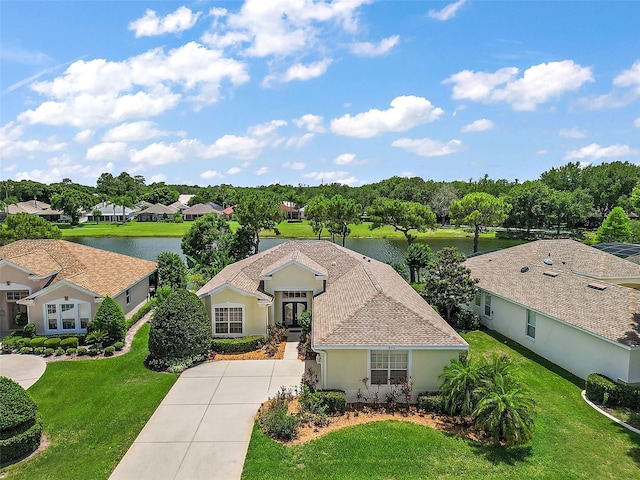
(342, 177)
(405, 113)
(636, 122)
(233, 146)
(630, 77)
(150, 24)
(135, 132)
(84, 135)
(311, 122)
(63, 167)
(264, 129)
(478, 126)
(299, 71)
(448, 12)
(425, 147)
(595, 151)
(294, 165)
(159, 177)
(161, 154)
(574, 132)
(538, 84)
(234, 170)
(299, 141)
(542, 152)
(107, 151)
(368, 49)
(209, 174)
(345, 158)
(12, 145)
(262, 171)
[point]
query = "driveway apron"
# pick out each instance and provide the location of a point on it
(202, 428)
(24, 369)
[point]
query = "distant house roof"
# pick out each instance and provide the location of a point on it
(365, 302)
(34, 207)
(199, 209)
(92, 269)
(184, 198)
(107, 209)
(228, 211)
(159, 209)
(179, 205)
(573, 294)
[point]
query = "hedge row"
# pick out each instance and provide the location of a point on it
(605, 391)
(334, 401)
(430, 402)
(237, 345)
(16, 406)
(146, 308)
(21, 444)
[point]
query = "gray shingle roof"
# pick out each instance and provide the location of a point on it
(366, 303)
(610, 313)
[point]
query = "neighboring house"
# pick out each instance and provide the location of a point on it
(35, 207)
(368, 322)
(185, 198)
(60, 284)
(181, 207)
(156, 212)
(574, 305)
(291, 211)
(111, 213)
(200, 210)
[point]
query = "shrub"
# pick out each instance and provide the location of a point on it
(59, 351)
(335, 401)
(71, 342)
(48, 352)
(172, 270)
(110, 319)
(81, 351)
(277, 423)
(38, 350)
(93, 352)
(19, 429)
(38, 342)
(180, 330)
(430, 402)
(118, 346)
(108, 352)
(29, 330)
(21, 342)
(70, 351)
(142, 311)
(7, 348)
(52, 342)
(276, 334)
(605, 391)
(97, 336)
(237, 345)
(25, 350)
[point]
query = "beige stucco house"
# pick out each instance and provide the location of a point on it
(59, 285)
(367, 321)
(572, 304)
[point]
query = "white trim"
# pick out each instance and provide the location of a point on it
(528, 325)
(14, 286)
(213, 319)
(74, 301)
(64, 283)
(391, 347)
(9, 263)
(317, 274)
(235, 289)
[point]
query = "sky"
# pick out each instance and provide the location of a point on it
(308, 92)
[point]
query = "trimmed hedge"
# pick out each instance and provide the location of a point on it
(110, 319)
(237, 345)
(71, 342)
(334, 401)
(431, 402)
(38, 342)
(142, 311)
(19, 429)
(605, 391)
(52, 342)
(21, 444)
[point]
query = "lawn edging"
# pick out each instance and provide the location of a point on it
(607, 414)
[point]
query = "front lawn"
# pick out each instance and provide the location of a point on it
(92, 411)
(571, 441)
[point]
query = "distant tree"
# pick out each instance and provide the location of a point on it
(342, 212)
(615, 228)
(107, 185)
(565, 178)
(528, 204)
(96, 215)
(124, 201)
(449, 286)
(607, 182)
(161, 193)
(634, 199)
(402, 216)
(441, 201)
(26, 226)
(257, 211)
(71, 202)
(316, 212)
(171, 270)
(109, 319)
(479, 210)
(417, 257)
(210, 245)
(568, 208)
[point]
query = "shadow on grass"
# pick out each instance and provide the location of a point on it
(543, 362)
(497, 454)
(634, 438)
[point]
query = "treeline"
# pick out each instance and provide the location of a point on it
(568, 196)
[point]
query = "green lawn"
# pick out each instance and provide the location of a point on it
(572, 440)
(92, 411)
(287, 230)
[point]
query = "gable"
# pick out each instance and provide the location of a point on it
(294, 277)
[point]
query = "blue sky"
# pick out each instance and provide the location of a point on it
(303, 92)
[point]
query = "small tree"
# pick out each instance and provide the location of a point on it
(615, 228)
(402, 216)
(460, 378)
(479, 210)
(109, 319)
(316, 212)
(24, 225)
(180, 332)
(449, 285)
(342, 212)
(96, 215)
(417, 257)
(172, 270)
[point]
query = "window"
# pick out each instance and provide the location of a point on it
(15, 296)
(531, 324)
(294, 294)
(227, 320)
(477, 299)
(487, 305)
(128, 295)
(67, 316)
(389, 366)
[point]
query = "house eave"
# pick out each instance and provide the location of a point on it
(391, 347)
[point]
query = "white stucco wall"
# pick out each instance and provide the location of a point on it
(574, 350)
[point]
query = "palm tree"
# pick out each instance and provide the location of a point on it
(505, 411)
(461, 380)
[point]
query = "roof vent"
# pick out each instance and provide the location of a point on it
(524, 269)
(550, 273)
(333, 264)
(597, 286)
(548, 261)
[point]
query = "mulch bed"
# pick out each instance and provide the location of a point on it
(255, 355)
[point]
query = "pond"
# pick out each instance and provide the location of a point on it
(384, 249)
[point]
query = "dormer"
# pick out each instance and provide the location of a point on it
(294, 271)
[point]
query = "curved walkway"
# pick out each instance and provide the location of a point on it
(24, 369)
(202, 428)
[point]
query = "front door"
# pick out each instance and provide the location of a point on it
(291, 312)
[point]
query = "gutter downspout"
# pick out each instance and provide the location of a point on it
(323, 365)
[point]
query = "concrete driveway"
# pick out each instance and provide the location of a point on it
(24, 369)
(202, 428)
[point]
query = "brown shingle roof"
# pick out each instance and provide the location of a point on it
(366, 303)
(610, 313)
(99, 271)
